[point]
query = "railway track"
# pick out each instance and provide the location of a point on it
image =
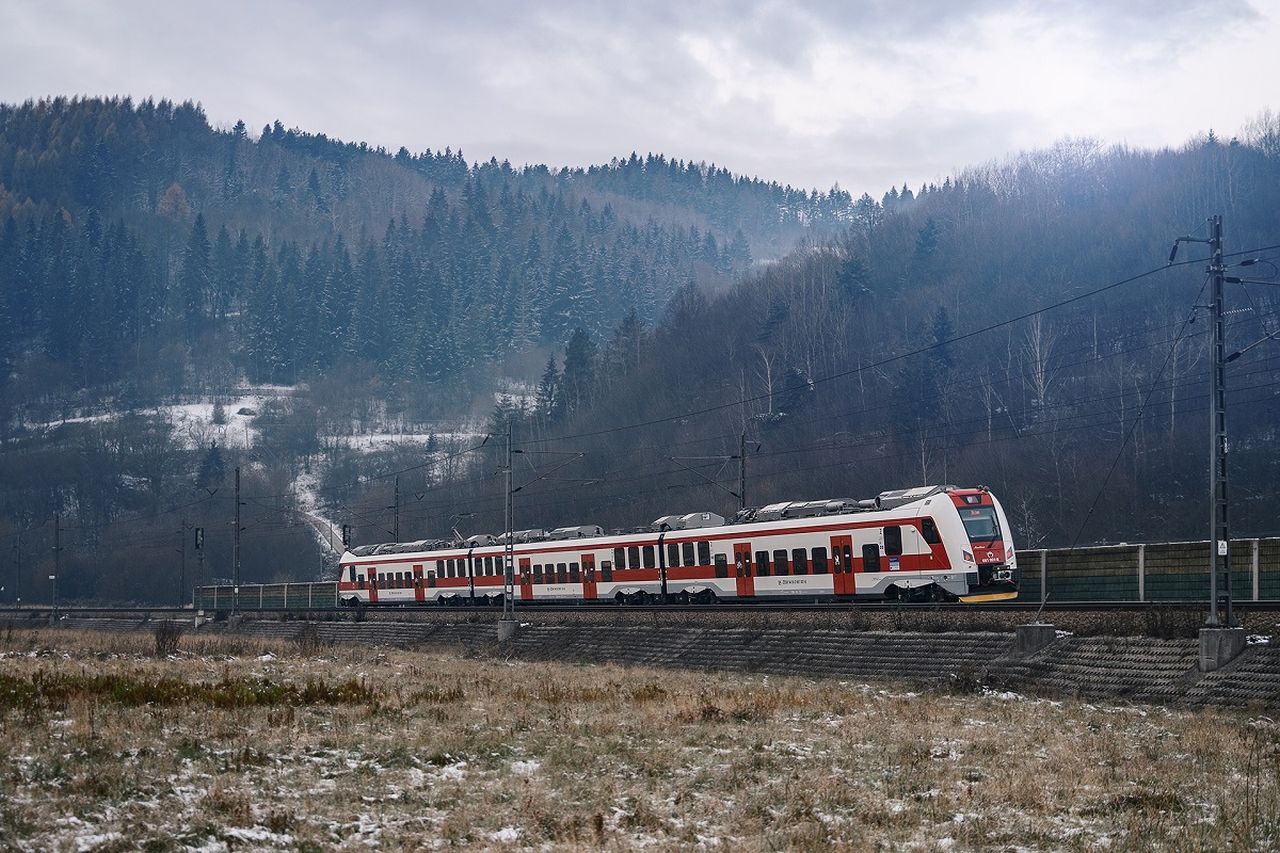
(529, 611)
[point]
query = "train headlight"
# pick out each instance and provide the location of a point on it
(968, 558)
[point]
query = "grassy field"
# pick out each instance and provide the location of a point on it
(107, 743)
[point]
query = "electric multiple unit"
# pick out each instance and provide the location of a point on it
(939, 543)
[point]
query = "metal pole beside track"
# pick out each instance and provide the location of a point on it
(507, 625)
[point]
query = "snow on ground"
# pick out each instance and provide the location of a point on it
(193, 421)
(193, 425)
(373, 441)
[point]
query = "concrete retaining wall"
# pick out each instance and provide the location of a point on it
(1136, 668)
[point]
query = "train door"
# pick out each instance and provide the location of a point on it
(419, 594)
(662, 564)
(742, 573)
(589, 577)
(470, 564)
(842, 570)
(373, 585)
(526, 579)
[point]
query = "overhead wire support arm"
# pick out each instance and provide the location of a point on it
(704, 477)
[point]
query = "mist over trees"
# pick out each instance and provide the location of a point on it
(147, 259)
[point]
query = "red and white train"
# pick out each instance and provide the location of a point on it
(938, 543)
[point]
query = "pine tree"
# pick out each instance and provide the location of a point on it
(194, 279)
(212, 469)
(547, 397)
(578, 380)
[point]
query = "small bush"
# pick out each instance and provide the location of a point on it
(167, 635)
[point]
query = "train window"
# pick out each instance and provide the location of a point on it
(488, 565)
(439, 568)
(574, 577)
(606, 570)
(722, 566)
(930, 531)
(352, 576)
(633, 556)
(649, 561)
(537, 573)
(871, 557)
(687, 548)
(819, 561)
(799, 561)
(780, 563)
(704, 553)
(562, 575)
(893, 540)
(762, 564)
(620, 558)
(673, 554)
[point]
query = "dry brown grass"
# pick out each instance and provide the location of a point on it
(104, 745)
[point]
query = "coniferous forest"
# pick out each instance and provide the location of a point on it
(648, 314)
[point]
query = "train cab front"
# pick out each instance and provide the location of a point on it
(989, 557)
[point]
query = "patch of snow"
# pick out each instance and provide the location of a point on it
(259, 835)
(93, 841)
(453, 772)
(526, 768)
(1257, 640)
(506, 835)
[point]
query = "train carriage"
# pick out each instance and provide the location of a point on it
(939, 543)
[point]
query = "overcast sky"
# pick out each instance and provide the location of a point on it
(866, 93)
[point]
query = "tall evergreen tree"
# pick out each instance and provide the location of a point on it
(193, 282)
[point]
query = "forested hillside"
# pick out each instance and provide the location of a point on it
(882, 358)
(136, 234)
(147, 259)
(178, 301)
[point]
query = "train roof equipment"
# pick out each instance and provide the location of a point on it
(581, 531)
(688, 521)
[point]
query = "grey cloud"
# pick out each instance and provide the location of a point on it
(570, 83)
